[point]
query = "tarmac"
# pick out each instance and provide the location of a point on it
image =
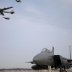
(29, 70)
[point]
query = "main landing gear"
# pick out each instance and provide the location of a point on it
(62, 69)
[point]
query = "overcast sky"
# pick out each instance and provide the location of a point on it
(36, 24)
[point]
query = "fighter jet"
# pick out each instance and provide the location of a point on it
(18, 0)
(47, 58)
(3, 10)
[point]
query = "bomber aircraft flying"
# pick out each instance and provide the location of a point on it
(47, 58)
(3, 10)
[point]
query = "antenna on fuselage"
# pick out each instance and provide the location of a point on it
(70, 51)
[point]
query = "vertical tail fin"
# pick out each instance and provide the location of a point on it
(53, 50)
(70, 51)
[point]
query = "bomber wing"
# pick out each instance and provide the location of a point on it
(7, 8)
(7, 18)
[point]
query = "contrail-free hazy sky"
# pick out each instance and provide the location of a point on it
(36, 24)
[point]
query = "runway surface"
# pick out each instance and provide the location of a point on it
(29, 70)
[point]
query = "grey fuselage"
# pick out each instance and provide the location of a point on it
(44, 58)
(48, 58)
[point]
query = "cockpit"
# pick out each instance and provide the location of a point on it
(45, 50)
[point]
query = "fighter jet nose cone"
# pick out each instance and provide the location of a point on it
(35, 59)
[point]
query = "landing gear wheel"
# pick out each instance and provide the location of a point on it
(62, 70)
